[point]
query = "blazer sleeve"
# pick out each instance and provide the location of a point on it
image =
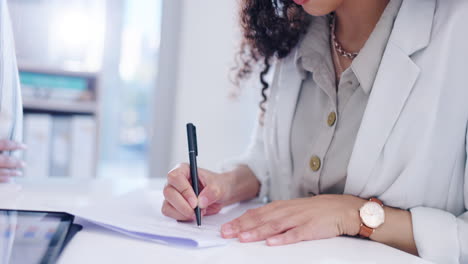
(255, 159)
(255, 156)
(440, 236)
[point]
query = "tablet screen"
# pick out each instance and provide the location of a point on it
(28, 237)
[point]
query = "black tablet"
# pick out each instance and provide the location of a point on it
(32, 237)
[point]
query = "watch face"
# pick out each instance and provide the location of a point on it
(372, 214)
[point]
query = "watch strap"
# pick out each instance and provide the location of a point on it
(376, 200)
(365, 231)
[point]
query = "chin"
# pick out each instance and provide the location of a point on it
(321, 7)
(316, 11)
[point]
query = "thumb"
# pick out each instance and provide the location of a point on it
(210, 195)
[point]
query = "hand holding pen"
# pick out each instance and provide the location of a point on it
(181, 200)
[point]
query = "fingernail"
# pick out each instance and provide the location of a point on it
(193, 202)
(23, 164)
(17, 173)
(23, 146)
(202, 202)
(245, 236)
(273, 241)
(227, 229)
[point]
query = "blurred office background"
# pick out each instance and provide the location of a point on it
(108, 85)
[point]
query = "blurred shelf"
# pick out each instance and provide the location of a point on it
(61, 107)
(62, 72)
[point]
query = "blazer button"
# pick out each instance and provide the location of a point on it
(331, 119)
(315, 163)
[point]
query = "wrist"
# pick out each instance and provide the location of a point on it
(227, 185)
(240, 184)
(352, 220)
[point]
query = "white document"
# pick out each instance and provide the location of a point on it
(38, 130)
(138, 214)
(83, 156)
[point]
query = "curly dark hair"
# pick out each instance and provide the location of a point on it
(270, 28)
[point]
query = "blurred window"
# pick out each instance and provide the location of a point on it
(118, 40)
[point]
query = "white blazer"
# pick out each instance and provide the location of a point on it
(411, 149)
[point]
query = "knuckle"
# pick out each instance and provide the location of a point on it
(187, 193)
(258, 219)
(276, 226)
(180, 167)
(236, 222)
(214, 190)
(172, 175)
(167, 191)
(254, 216)
(173, 179)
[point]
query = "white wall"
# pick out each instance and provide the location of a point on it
(208, 40)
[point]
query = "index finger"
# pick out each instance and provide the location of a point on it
(179, 179)
(9, 145)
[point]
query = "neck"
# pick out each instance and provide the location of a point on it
(355, 21)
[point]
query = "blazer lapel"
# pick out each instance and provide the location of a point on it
(396, 77)
(289, 84)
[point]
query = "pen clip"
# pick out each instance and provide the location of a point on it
(192, 138)
(195, 143)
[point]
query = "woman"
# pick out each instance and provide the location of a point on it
(368, 101)
(11, 115)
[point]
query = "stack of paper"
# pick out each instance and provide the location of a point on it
(60, 146)
(83, 149)
(38, 130)
(138, 214)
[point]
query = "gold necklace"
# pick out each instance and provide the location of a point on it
(336, 59)
(337, 46)
(339, 68)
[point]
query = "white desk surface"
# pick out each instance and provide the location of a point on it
(97, 245)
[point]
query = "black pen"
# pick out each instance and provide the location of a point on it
(193, 153)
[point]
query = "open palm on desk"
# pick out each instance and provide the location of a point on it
(292, 221)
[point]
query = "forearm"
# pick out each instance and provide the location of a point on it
(397, 231)
(243, 185)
